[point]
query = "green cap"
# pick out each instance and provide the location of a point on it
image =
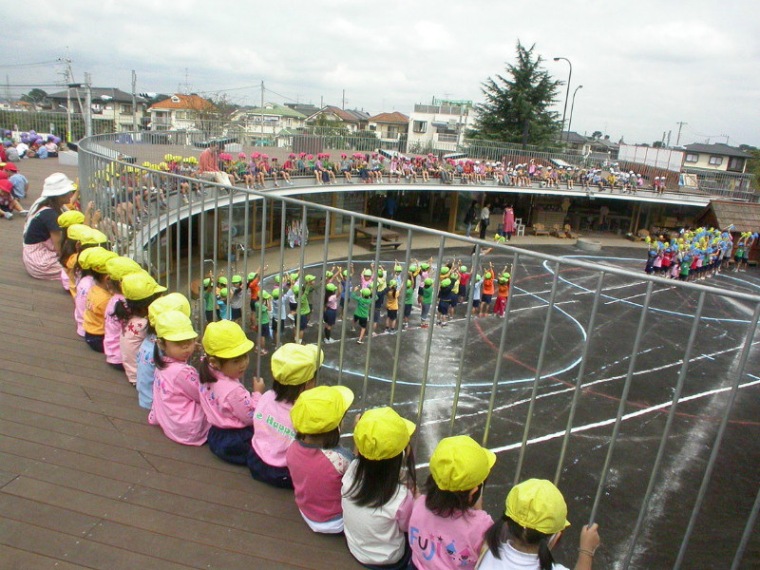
(222, 281)
(463, 269)
(276, 293)
(446, 283)
(207, 281)
(445, 270)
(237, 278)
(428, 282)
(331, 287)
(366, 292)
(252, 275)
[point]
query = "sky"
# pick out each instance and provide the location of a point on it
(645, 66)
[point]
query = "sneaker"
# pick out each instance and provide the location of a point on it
(359, 342)
(424, 326)
(7, 215)
(23, 213)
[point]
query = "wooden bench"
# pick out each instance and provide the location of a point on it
(371, 232)
(385, 244)
(540, 230)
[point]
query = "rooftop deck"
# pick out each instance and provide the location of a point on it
(85, 482)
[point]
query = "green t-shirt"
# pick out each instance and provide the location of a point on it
(262, 313)
(427, 295)
(362, 305)
(209, 299)
(305, 308)
(409, 296)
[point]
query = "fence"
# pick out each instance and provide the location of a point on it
(635, 394)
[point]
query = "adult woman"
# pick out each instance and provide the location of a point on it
(509, 222)
(42, 234)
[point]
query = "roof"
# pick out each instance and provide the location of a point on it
(574, 138)
(100, 94)
(179, 101)
(345, 115)
(392, 118)
(744, 216)
(718, 149)
(306, 109)
(272, 109)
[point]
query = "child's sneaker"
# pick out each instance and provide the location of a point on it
(7, 215)
(23, 213)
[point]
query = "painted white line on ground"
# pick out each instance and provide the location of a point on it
(636, 296)
(615, 288)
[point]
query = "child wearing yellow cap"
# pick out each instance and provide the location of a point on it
(316, 460)
(67, 255)
(447, 524)
(117, 268)
(377, 494)
(176, 396)
(535, 517)
(139, 290)
(228, 405)
(294, 369)
(146, 365)
(96, 301)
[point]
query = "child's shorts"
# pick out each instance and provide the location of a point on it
(304, 322)
(94, 341)
(209, 316)
(476, 303)
(236, 313)
(275, 476)
(231, 445)
(407, 310)
(331, 315)
(487, 299)
(265, 331)
(362, 321)
(443, 307)
(293, 306)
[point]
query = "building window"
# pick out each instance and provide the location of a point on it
(716, 160)
(691, 158)
(419, 126)
(736, 164)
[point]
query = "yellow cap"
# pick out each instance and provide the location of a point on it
(70, 218)
(93, 237)
(294, 364)
(170, 302)
(174, 326)
(225, 339)
(119, 267)
(537, 504)
(321, 409)
(381, 433)
(95, 259)
(77, 232)
(139, 286)
(460, 464)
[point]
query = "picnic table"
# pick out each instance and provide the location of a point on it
(388, 237)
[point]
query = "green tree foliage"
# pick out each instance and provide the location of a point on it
(37, 97)
(517, 105)
(753, 164)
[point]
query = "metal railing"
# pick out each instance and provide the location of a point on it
(635, 394)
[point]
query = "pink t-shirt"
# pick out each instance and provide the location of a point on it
(332, 302)
(176, 404)
(80, 303)
(111, 346)
(317, 474)
(273, 431)
(446, 543)
(130, 341)
(226, 402)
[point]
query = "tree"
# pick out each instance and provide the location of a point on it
(596, 135)
(516, 107)
(37, 97)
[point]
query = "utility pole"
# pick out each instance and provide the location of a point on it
(343, 105)
(262, 111)
(134, 100)
(88, 105)
(680, 126)
(669, 133)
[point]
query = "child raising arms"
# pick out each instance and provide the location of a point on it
(447, 524)
(377, 497)
(227, 404)
(316, 461)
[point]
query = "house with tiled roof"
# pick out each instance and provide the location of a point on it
(180, 112)
(111, 107)
(268, 123)
(352, 119)
(715, 157)
(389, 127)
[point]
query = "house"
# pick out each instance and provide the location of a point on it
(724, 213)
(440, 126)
(306, 109)
(181, 112)
(268, 123)
(110, 106)
(351, 119)
(389, 127)
(715, 157)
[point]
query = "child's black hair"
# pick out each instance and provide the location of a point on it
(448, 503)
(68, 247)
(158, 357)
(204, 369)
(327, 440)
(287, 392)
(506, 527)
(377, 480)
(129, 308)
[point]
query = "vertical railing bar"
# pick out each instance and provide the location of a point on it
(400, 323)
(323, 284)
(466, 337)
(539, 369)
(168, 230)
(215, 255)
(202, 252)
(719, 437)
(579, 378)
(623, 402)
(177, 250)
(301, 282)
(246, 313)
(231, 260)
(666, 432)
(371, 318)
(262, 260)
(281, 273)
(189, 205)
(347, 300)
(748, 528)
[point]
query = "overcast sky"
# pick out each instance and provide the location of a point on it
(644, 66)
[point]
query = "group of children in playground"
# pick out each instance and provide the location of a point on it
(698, 254)
(289, 435)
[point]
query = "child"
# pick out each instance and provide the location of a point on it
(222, 304)
(294, 368)
(68, 254)
(176, 396)
(361, 313)
(140, 290)
(444, 296)
(209, 299)
(391, 306)
(146, 365)
(447, 524)
(94, 319)
(500, 307)
(377, 497)
(487, 291)
(118, 268)
(408, 301)
(535, 518)
(315, 460)
(236, 299)
(228, 406)
(332, 294)
(426, 298)
(263, 308)
(279, 314)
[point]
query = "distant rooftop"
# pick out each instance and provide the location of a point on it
(717, 149)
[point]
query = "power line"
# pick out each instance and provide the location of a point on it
(3, 66)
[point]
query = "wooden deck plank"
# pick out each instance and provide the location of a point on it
(16, 559)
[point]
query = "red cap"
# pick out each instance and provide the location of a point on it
(10, 166)
(6, 186)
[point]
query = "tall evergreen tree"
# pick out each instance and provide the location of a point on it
(516, 107)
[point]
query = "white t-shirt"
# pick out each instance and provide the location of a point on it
(376, 535)
(512, 559)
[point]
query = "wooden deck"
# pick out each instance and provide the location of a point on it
(85, 482)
